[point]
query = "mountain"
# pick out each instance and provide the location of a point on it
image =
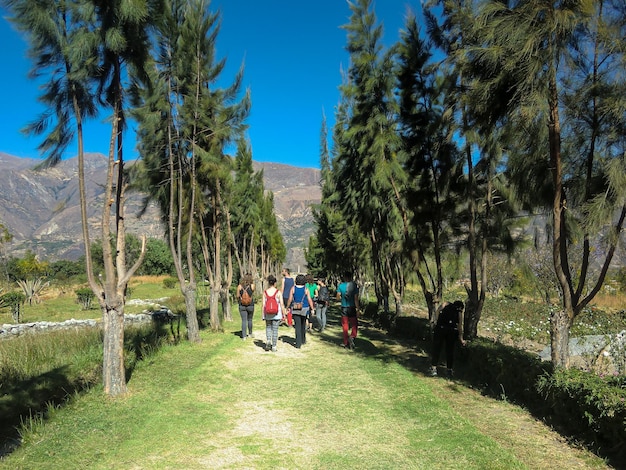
(41, 208)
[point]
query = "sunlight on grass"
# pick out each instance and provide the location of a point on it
(228, 404)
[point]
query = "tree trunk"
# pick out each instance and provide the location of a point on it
(214, 308)
(559, 321)
(559, 338)
(114, 372)
(193, 330)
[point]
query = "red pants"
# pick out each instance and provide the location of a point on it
(346, 322)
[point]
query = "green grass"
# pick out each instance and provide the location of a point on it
(60, 304)
(226, 403)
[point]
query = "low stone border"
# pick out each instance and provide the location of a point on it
(14, 330)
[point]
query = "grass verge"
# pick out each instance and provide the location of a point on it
(226, 403)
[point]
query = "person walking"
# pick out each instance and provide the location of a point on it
(321, 303)
(300, 301)
(245, 300)
(311, 286)
(272, 312)
(348, 293)
(287, 284)
(448, 330)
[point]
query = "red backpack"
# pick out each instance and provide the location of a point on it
(271, 304)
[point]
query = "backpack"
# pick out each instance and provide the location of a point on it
(271, 304)
(323, 295)
(246, 296)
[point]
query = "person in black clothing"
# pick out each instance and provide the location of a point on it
(448, 330)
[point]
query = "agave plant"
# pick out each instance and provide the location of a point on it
(32, 288)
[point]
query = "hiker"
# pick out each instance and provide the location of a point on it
(272, 312)
(448, 330)
(321, 303)
(300, 301)
(245, 299)
(311, 286)
(348, 293)
(288, 283)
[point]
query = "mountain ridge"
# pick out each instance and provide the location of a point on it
(41, 208)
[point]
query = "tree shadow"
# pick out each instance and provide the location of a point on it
(496, 370)
(29, 399)
(408, 346)
(23, 400)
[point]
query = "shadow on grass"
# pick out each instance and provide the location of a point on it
(375, 343)
(496, 370)
(24, 400)
(27, 400)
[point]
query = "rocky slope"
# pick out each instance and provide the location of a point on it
(41, 208)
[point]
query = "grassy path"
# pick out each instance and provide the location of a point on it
(229, 404)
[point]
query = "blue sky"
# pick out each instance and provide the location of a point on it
(292, 51)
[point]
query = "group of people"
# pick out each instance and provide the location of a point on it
(300, 303)
(303, 300)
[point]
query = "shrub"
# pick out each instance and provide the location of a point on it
(169, 282)
(14, 301)
(84, 297)
(594, 406)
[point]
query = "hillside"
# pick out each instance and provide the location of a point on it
(41, 208)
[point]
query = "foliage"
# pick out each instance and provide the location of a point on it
(594, 406)
(368, 201)
(33, 288)
(84, 297)
(169, 282)
(66, 271)
(13, 301)
(551, 72)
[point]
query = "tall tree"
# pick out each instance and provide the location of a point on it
(123, 32)
(486, 218)
(185, 123)
(431, 158)
(338, 237)
(86, 47)
(166, 171)
(523, 54)
(245, 213)
(369, 177)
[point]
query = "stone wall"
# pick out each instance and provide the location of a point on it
(14, 330)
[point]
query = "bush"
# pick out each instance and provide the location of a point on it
(14, 301)
(169, 282)
(84, 297)
(595, 406)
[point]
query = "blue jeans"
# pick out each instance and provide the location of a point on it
(320, 312)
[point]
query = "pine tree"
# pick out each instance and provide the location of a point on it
(86, 47)
(369, 176)
(521, 58)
